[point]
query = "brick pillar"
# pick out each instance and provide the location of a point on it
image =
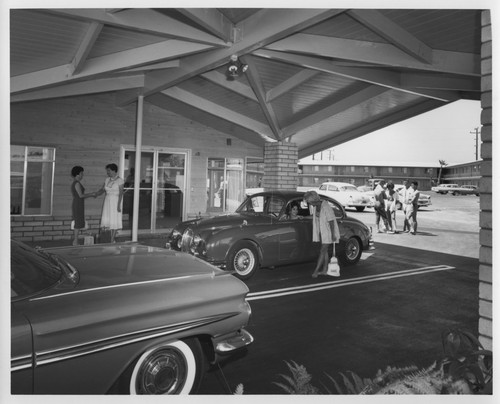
(486, 186)
(280, 166)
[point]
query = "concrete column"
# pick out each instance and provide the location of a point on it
(280, 166)
(486, 187)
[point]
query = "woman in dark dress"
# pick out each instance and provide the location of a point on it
(78, 206)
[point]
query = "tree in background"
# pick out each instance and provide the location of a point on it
(442, 164)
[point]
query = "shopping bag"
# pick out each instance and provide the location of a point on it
(103, 237)
(333, 265)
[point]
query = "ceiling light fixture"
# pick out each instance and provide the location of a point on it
(235, 68)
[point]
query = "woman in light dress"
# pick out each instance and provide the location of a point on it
(111, 218)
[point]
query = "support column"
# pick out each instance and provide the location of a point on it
(280, 166)
(486, 188)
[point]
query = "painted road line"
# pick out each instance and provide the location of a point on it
(347, 282)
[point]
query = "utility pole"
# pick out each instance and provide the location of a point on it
(476, 131)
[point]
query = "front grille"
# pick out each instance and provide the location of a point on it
(187, 239)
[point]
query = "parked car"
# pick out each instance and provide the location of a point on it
(119, 318)
(444, 188)
(347, 194)
(423, 201)
(260, 234)
(466, 190)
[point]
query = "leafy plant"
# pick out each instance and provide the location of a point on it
(467, 359)
(299, 382)
(466, 368)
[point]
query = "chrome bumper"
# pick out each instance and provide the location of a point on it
(227, 344)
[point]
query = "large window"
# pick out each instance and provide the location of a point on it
(31, 180)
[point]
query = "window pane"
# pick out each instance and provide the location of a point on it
(40, 153)
(38, 188)
(16, 186)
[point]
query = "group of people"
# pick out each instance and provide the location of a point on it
(111, 217)
(386, 205)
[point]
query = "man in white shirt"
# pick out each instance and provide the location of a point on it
(405, 192)
(413, 207)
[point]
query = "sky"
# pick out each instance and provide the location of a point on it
(441, 134)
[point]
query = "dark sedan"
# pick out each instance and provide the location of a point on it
(260, 234)
(119, 318)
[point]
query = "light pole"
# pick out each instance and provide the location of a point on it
(476, 131)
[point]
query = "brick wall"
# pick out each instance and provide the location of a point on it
(280, 166)
(486, 185)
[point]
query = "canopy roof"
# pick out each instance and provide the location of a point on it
(316, 77)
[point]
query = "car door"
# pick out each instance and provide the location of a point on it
(21, 362)
(295, 235)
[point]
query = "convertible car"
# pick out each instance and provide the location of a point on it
(120, 318)
(261, 234)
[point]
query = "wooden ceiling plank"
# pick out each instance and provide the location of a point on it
(291, 83)
(143, 20)
(202, 117)
(378, 53)
(235, 86)
(105, 64)
(380, 77)
(217, 110)
(332, 139)
(394, 33)
(333, 109)
(262, 28)
(212, 20)
(258, 88)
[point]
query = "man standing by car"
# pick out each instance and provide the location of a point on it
(413, 207)
(325, 230)
(405, 193)
(379, 207)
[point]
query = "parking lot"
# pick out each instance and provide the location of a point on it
(389, 310)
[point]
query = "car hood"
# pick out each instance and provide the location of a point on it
(111, 264)
(228, 220)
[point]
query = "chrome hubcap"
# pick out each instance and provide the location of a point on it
(164, 372)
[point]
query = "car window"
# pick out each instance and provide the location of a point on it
(332, 188)
(322, 187)
(303, 207)
(346, 188)
(252, 204)
(339, 213)
(30, 271)
(275, 205)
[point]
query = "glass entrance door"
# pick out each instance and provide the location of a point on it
(224, 184)
(161, 190)
(170, 186)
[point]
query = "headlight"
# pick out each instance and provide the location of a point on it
(198, 245)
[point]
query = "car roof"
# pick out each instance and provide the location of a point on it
(338, 183)
(282, 193)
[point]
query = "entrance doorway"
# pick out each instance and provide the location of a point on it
(162, 188)
(224, 184)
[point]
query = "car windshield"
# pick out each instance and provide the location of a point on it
(270, 204)
(31, 271)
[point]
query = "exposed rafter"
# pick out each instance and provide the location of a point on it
(393, 33)
(142, 20)
(377, 53)
(262, 28)
(258, 88)
(317, 77)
